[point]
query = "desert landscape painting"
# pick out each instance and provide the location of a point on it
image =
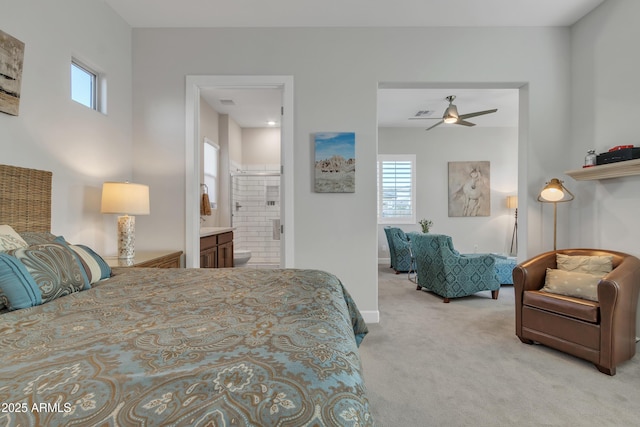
(335, 162)
(469, 189)
(11, 58)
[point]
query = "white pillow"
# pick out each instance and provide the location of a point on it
(9, 239)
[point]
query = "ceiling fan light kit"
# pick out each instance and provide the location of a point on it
(451, 115)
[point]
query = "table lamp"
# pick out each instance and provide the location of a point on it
(554, 192)
(126, 199)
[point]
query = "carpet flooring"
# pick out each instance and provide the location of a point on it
(460, 364)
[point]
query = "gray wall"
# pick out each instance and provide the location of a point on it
(82, 147)
(336, 74)
(433, 151)
(606, 107)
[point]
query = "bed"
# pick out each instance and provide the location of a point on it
(170, 347)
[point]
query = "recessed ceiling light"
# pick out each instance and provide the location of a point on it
(271, 123)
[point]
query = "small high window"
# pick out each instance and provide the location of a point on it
(84, 85)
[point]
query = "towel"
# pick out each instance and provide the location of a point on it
(205, 205)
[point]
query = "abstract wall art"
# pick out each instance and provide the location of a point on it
(11, 59)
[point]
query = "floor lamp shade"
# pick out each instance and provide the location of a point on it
(555, 192)
(126, 199)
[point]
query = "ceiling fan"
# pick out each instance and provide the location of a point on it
(451, 115)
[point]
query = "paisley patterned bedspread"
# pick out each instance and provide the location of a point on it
(187, 347)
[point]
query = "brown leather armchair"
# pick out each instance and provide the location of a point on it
(602, 332)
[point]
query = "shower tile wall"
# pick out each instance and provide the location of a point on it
(256, 214)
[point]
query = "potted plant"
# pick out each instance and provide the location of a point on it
(425, 224)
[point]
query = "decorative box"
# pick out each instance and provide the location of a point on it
(618, 155)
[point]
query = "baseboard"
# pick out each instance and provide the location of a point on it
(371, 316)
(384, 261)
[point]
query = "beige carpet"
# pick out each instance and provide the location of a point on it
(460, 364)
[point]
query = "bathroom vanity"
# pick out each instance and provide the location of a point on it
(216, 247)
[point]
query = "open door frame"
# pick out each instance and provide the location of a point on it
(192, 158)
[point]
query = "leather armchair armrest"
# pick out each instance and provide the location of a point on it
(618, 297)
(530, 274)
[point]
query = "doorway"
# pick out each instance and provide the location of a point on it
(194, 86)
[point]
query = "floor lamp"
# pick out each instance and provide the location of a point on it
(554, 192)
(512, 203)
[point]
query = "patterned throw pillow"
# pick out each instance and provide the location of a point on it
(37, 237)
(95, 267)
(38, 274)
(9, 239)
(578, 285)
(600, 265)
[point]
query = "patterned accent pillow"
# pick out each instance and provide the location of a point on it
(578, 285)
(599, 265)
(37, 237)
(9, 239)
(95, 267)
(41, 273)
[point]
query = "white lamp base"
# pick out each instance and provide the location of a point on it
(126, 236)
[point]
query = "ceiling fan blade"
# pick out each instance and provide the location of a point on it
(424, 118)
(464, 123)
(477, 113)
(437, 124)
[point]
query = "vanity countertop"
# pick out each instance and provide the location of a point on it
(210, 231)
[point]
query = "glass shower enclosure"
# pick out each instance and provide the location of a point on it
(255, 214)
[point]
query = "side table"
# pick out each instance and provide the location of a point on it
(153, 259)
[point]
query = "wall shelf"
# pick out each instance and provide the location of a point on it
(611, 170)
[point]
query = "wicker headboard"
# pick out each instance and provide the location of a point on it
(25, 198)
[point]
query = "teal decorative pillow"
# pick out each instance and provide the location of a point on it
(38, 274)
(578, 285)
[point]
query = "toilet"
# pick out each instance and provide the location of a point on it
(240, 257)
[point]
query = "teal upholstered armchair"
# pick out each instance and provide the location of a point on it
(399, 249)
(445, 272)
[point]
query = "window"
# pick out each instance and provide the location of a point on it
(84, 85)
(211, 166)
(396, 189)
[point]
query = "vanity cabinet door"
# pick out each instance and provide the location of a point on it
(216, 251)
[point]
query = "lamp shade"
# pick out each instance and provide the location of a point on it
(554, 191)
(512, 202)
(125, 198)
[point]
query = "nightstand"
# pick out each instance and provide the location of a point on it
(153, 259)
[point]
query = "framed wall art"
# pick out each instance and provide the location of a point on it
(335, 162)
(11, 59)
(469, 189)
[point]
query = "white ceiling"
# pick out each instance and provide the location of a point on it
(397, 107)
(254, 107)
(250, 108)
(351, 13)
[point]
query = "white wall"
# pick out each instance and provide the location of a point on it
(434, 149)
(83, 148)
(336, 74)
(261, 146)
(606, 108)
